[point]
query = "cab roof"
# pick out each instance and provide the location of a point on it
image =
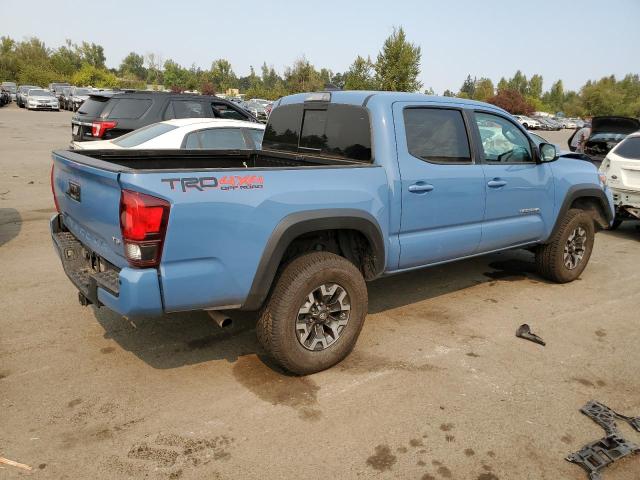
(363, 97)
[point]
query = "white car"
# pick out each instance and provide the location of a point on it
(621, 168)
(185, 133)
(527, 122)
(40, 99)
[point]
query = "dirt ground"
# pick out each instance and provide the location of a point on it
(438, 386)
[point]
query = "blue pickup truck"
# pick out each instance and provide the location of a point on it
(348, 187)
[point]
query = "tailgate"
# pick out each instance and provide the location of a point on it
(89, 202)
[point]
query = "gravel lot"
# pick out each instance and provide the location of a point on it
(438, 386)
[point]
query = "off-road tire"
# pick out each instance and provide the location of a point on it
(550, 257)
(276, 324)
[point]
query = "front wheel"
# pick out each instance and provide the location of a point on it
(566, 255)
(315, 313)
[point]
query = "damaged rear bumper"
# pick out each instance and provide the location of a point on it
(127, 291)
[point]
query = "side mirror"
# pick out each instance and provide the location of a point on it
(548, 152)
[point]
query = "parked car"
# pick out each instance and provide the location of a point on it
(185, 133)
(621, 167)
(257, 107)
(606, 133)
(11, 88)
(348, 187)
(538, 140)
(57, 87)
(5, 97)
(108, 115)
(76, 96)
(21, 95)
(528, 122)
(63, 97)
(568, 123)
(39, 99)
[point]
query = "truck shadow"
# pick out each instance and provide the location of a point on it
(627, 230)
(10, 224)
(180, 339)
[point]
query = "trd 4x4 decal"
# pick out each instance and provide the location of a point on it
(228, 182)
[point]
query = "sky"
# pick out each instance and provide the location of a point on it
(571, 40)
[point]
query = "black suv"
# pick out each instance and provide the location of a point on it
(107, 115)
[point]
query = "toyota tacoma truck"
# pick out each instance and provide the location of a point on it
(348, 187)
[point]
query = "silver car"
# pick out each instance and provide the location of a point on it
(39, 99)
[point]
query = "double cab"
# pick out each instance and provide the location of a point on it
(348, 187)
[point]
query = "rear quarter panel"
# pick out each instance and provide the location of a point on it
(216, 236)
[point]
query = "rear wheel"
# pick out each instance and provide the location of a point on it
(315, 313)
(565, 257)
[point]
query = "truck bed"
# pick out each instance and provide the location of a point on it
(185, 160)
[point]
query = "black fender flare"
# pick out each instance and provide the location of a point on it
(582, 190)
(299, 223)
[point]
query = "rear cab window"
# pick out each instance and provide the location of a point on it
(334, 130)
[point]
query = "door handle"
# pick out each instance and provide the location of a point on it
(496, 183)
(420, 188)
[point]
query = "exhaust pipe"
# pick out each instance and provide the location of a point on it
(221, 319)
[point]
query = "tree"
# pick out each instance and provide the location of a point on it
(398, 64)
(512, 101)
(92, 54)
(483, 90)
(154, 61)
(519, 83)
(503, 84)
(448, 93)
(222, 75)
(67, 59)
(133, 66)
(302, 77)
(360, 75)
(535, 86)
(468, 87)
(555, 96)
(175, 77)
(429, 91)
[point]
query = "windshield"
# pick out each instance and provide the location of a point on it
(629, 149)
(40, 93)
(143, 134)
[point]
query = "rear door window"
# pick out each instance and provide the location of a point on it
(184, 109)
(629, 148)
(437, 135)
(256, 135)
(129, 108)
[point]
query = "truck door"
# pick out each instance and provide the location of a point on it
(519, 191)
(443, 190)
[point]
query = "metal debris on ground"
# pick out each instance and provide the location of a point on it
(594, 457)
(524, 331)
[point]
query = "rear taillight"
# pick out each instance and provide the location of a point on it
(53, 189)
(143, 223)
(99, 127)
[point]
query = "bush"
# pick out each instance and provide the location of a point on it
(512, 101)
